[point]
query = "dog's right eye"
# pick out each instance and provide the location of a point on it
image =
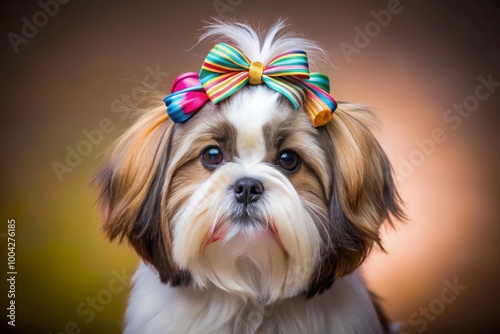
(212, 156)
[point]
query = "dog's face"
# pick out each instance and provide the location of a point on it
(249, 196)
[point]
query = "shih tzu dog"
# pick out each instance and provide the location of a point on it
(253, 200)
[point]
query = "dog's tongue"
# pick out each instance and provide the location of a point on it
(220, 230)
(275, 232)
(217, 232)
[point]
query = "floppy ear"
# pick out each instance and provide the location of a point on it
(363, 194)
(133, 188)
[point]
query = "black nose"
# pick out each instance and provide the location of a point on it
(247, 190)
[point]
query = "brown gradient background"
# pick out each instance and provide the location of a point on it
(428, 58)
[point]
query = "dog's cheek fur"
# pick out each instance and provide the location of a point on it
(363, 194)
(132, 187)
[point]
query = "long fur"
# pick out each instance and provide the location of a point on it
(209, 262)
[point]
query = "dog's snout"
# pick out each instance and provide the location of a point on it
(247, 190)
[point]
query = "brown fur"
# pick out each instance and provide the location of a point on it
(363, 194)
(132, 184)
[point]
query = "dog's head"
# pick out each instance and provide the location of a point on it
(247, 195)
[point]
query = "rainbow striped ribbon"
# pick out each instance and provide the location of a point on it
(226, 70)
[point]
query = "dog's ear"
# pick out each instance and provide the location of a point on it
(133, 186)
(363, 194)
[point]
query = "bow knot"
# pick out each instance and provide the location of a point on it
(255, 73)
(226, 70)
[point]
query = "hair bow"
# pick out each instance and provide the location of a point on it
(226, 70)
(187, 96)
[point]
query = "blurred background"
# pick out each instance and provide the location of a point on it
(429, 69)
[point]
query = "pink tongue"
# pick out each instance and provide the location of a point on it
(216, 234)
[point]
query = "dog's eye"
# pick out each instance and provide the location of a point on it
(212, 156)
(288, 160)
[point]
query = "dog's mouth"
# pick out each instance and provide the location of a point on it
(228, 228)
(217, 232)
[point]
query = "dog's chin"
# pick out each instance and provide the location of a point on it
(244, 256)
(248, 262)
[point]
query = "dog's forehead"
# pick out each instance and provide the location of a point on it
(253, 112)
(261, 118)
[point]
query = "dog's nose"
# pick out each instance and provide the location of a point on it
(247, 190)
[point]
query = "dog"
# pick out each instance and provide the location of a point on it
(254, 200)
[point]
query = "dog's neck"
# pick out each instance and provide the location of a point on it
(155, 307)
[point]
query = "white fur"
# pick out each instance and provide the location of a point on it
(238, 263)
(249, 111)
(258, 46)
(158, 308)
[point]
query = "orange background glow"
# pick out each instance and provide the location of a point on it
(64, 81)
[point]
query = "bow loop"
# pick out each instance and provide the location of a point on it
(292, 63)
(319, 104)
(186, 98)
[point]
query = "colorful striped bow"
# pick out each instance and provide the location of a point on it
(226, 70)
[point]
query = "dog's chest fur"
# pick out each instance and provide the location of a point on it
(155, 307)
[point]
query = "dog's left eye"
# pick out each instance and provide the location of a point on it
(212, 156)
(288, 160)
